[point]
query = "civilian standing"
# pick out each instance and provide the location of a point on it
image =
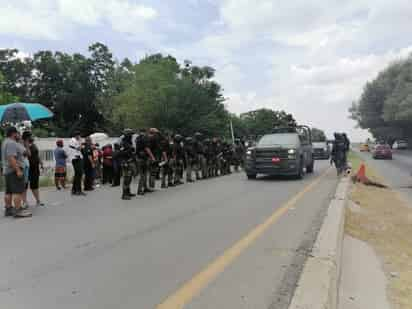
(34, 171)
(89, 165)
(12, 158)
(117, 168)
(77, 161)
(60, 156)
(107, 164)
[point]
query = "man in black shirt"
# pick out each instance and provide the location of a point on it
(88, 165)
(35, 164)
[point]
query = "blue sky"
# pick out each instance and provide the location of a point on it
(309, 57)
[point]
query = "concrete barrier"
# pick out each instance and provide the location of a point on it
(318, 284)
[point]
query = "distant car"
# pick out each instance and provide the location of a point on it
(382, 152)
(400, 144)
(321, 151)
(364, 148)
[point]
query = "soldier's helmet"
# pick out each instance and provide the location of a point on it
(154, 131)
(189, 140)
(198, 135)
(237, 140)
(178, 138)
(128, 132)
(207, 141)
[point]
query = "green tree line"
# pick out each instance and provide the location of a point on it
(96, 92)
(385, 106)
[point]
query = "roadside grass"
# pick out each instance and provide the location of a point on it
(382, 218)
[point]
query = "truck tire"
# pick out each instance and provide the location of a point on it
(251, 176)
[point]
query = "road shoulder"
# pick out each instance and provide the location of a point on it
(363, 282)
(382, 218)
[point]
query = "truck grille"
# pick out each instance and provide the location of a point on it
(271, 153)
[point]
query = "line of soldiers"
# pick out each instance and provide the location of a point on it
(152, 156)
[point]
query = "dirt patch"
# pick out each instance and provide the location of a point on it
(384, 220)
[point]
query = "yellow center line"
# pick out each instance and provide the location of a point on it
(193, 287)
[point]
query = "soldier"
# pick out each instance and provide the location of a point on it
(339, 153)
(208, 158)
(168, 161)
(127, 162)
(190, 157)
(238, 152)
(154, 138)
(227, 155)
(179, 154)
(200, 156)
(143, 155)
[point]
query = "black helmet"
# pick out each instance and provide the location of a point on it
(237, 140)
(178, 138)
(198, 135)
(128, 132)
(188, 139)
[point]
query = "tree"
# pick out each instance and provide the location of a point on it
(163, 94)
(318, 135)
(5, 96)
(263, 121)
(385, 106)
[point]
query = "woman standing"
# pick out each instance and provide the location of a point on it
(107, 164)
(60, 156)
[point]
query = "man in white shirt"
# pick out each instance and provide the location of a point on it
(77, 161)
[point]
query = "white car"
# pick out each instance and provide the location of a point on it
(401, 144)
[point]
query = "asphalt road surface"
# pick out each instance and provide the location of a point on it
(397, 173)
(221, 243)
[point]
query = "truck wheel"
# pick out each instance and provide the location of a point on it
(251, 176)
(311, 167)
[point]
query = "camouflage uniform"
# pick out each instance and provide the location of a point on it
(190, 158)
(127, 162)
(179, 154)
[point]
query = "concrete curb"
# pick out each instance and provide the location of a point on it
(318, 284)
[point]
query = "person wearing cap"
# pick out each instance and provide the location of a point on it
(12, 159)
(60, 157)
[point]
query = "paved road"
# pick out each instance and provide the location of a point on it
(169, 248)
(396, 172)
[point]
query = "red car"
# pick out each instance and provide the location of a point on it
(382, 152)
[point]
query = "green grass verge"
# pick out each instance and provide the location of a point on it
(355, 160)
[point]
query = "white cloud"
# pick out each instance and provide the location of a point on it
(53, 20)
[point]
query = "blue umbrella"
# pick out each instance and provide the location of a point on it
(17, 112)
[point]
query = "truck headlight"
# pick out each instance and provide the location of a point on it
(249, 152)
(291, 151)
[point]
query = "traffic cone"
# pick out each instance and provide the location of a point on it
(361, 175)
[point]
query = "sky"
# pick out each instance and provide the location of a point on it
(311, 58)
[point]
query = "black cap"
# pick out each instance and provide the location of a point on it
(10, 131)
(26, 135)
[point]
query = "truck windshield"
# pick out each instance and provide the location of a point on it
(279, 139)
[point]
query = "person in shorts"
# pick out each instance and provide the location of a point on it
(34, 166)
(60, 156)
(12, 158)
